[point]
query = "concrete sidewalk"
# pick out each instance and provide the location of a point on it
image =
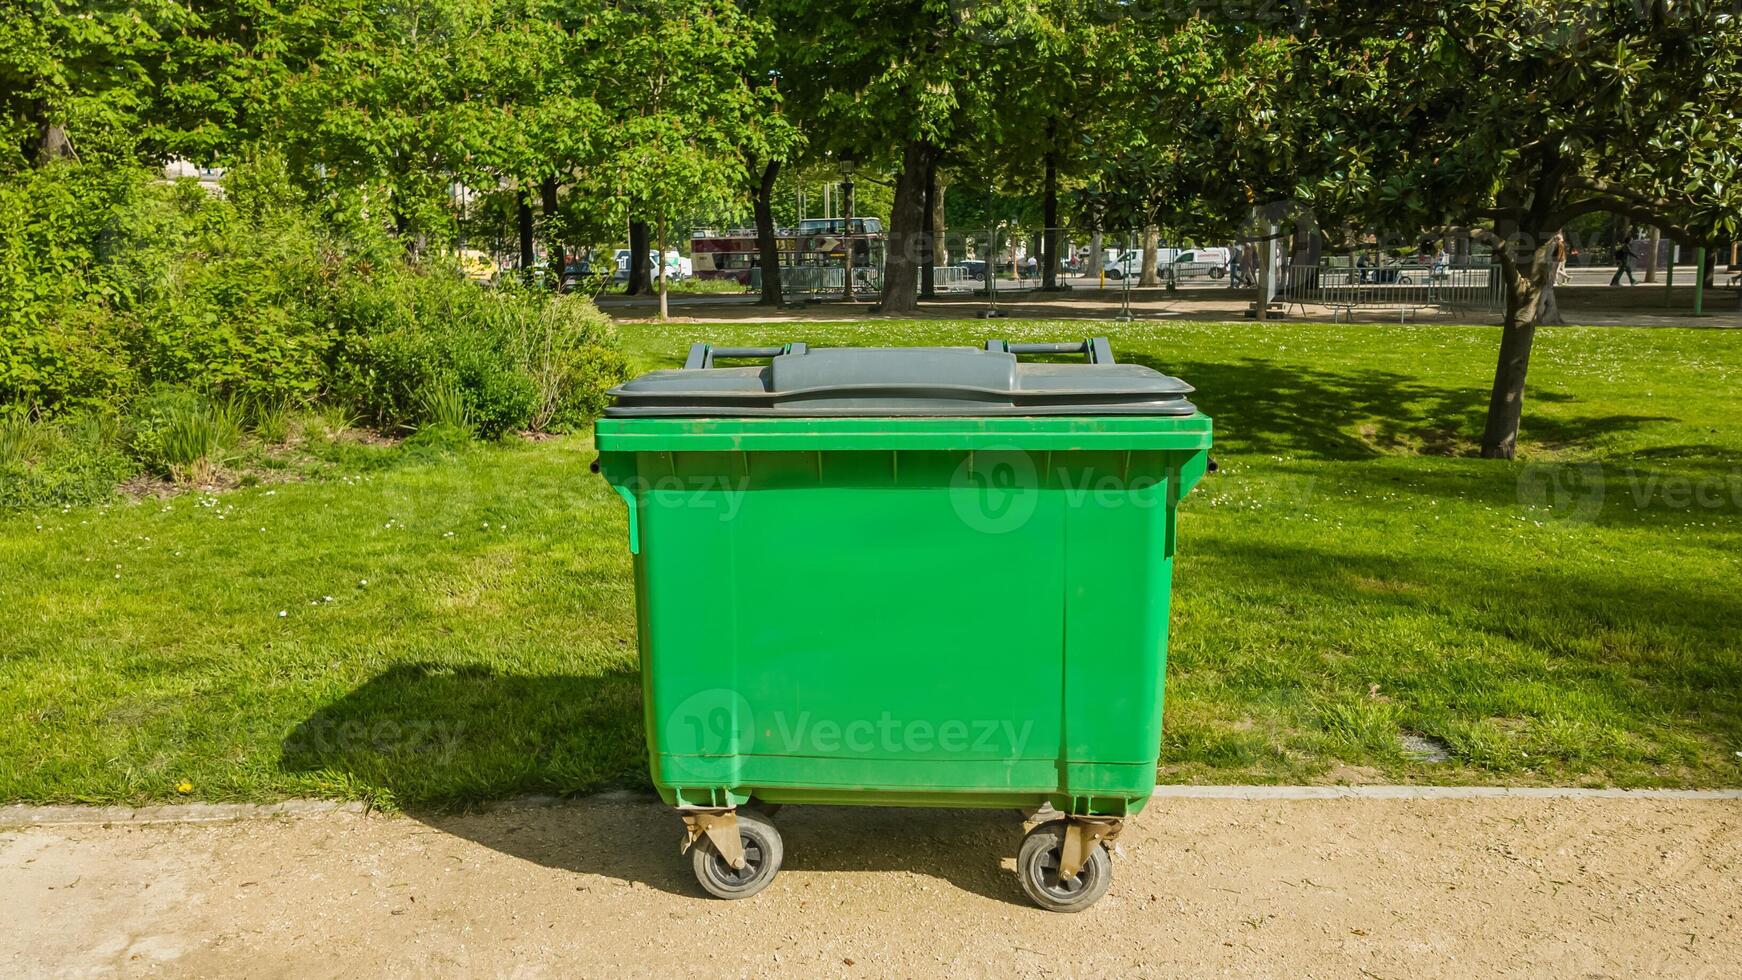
(1356, 886)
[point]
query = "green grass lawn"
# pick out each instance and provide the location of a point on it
(434, 631)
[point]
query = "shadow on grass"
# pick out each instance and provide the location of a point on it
(1659, 654)
(435, 739)
(1266, 406)
(1653, 495)
(438, 736)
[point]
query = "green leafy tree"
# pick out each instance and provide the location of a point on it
(76, 79)
(680, 106)
(1513, 119)
(891, 84)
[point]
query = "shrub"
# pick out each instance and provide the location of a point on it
(569, 351)
(72, 460)
(270, 420)
(122, 295)
(444, 404)
(178, 434)
(60, 349)
(518, 359)
(237, 304)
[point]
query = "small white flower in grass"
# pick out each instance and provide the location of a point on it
(283, 613)
(363, 582)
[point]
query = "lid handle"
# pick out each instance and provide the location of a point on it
(703, 355)
(1096, 349)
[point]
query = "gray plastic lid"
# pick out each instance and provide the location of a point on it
(902, 381)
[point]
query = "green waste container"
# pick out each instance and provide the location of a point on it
(930, 577)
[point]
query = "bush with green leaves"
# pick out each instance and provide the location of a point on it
(61, 348)
(516, 359)
(115, 283)
(72, 460)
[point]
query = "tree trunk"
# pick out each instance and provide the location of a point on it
(1096, 247)
(663, 311)
(47, 140)
(939, 232)
(1652, 248)
(1049, 210)
(553, 246)
(1149, 277)
(1524, 292)
(1547, 310)
(54, 146)
(638, 246)
(767, 245)
(906, 220)
(523, 202)
(928, 237)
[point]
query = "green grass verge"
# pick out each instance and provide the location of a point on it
(1350, 576)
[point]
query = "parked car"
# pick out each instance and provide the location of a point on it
(578, 275)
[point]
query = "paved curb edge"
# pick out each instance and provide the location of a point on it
(19, 816)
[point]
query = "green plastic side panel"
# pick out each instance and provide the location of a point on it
(892, 626)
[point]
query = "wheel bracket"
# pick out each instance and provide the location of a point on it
(717, 824)
(1082, 834)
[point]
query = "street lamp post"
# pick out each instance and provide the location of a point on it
(847, 227)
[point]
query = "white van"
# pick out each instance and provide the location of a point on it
(1185, 263)
(676, 265)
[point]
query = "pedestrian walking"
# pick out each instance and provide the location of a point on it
(1561, 276)
(1623, 264)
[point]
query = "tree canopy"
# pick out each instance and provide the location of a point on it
(1504, 120)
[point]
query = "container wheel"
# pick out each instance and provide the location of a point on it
(1037, 865)
(762, 856)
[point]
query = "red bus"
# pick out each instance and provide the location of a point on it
(817, 242)
(732, 254)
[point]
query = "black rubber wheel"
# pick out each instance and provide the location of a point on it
(762, 856)
(1218, 272)
(1037, 865)
(1115, 274)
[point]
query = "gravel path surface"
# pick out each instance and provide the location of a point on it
(1219, 887)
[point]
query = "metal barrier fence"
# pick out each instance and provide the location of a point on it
(818, 280)
(1404, 289)
(825, 280)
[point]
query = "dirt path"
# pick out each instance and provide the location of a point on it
(1238, 888)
